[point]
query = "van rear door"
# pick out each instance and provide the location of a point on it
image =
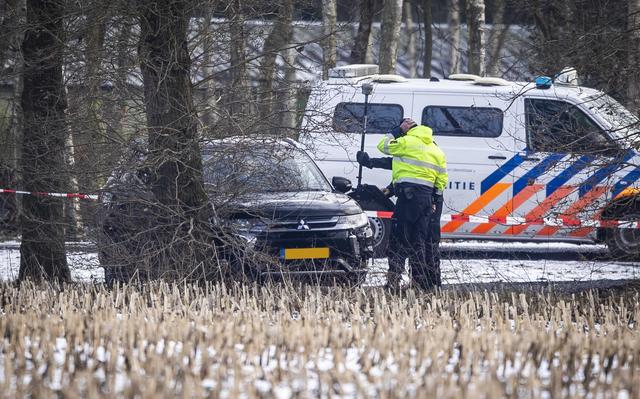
(478, 135)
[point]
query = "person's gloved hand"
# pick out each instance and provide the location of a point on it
(388, 191)
(397, 132)
(363, 159)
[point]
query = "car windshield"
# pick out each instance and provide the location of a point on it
(624, 124)
(269, 168)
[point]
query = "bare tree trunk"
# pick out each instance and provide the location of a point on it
(554, 20)
(368, 54)
(497, 37)
(94, 57)
(241, 98)
(174, 151)
(633, 90)
(475, 26)
(15, 136)
(453, 7)
(279, 37)
(329, 26)
(12, 29)
(73, 206)
(171, 116)
(289, 114)
(93, 131)
(10, 11)
(122, 70)
(428, 38)
(42, 250)
(207, 66)
(411, 35)
(390, 35)
(362, 40)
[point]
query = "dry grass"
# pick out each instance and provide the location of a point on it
(176, 340)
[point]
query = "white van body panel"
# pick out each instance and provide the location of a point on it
(501, 187)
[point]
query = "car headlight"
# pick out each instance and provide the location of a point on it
(352, 221)
(106, 198)
(247, 229)
(247, 225)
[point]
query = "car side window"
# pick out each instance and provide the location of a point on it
(557, 126)
(349, 117)
(463, 121)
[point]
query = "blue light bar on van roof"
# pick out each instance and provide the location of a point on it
(543, 82)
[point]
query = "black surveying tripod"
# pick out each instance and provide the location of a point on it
(368, 196)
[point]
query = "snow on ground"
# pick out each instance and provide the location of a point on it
(531, 262)
(83, 265)
(459, 271)
(516, 246)
(480, 267)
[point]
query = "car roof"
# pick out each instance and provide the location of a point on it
(252, 141)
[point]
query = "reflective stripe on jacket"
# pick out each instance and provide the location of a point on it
(416, 158)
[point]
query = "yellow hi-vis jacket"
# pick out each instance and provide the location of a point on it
(416, 158)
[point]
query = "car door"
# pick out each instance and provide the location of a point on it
(573, 166)
(478, 136)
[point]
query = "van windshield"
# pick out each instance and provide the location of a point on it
(624, 124)
(261, 169)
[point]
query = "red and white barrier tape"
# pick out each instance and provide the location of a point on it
(92, 197)
(562, 221)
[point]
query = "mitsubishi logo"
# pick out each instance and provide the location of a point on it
(303, 225)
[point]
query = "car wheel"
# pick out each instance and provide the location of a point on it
(624, 243)
(381, 229)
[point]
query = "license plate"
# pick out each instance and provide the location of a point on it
(304, 253)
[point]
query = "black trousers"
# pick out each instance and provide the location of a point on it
(433, 248)
(411, 234)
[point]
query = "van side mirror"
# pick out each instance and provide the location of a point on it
(341, 184)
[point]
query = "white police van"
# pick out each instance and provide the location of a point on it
(548, 160)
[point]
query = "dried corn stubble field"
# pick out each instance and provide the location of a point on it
(168, 340)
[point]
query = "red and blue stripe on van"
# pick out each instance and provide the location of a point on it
(567, 174)
(500, 173)
(588, 193)
(555, 190)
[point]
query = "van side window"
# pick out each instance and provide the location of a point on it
(349, 117)
(557, 126)
(463, 121)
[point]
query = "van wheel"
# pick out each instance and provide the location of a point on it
(624, 243)
(381, 229)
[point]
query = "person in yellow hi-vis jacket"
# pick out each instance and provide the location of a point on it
(419, 177)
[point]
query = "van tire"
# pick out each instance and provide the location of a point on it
(624, 244)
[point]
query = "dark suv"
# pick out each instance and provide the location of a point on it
(286, 218)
